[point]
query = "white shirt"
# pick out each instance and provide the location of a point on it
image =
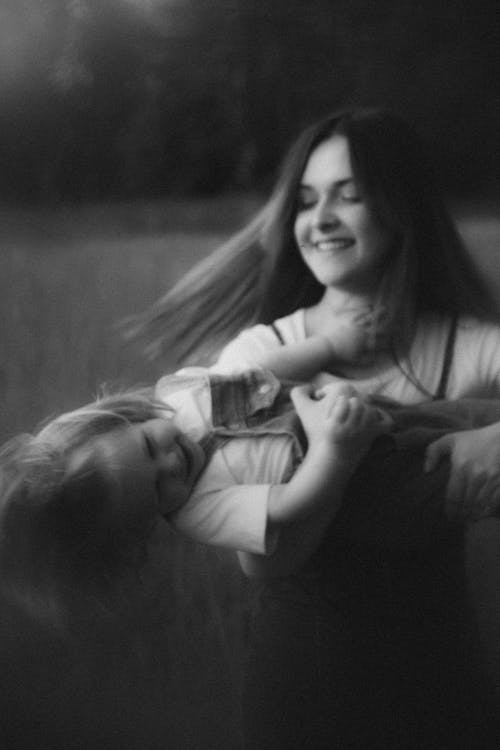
(228, 506)
(229, 503)
(474, 372)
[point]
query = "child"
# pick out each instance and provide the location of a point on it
(254, 441)
(227, 466)
(107, 472)
(81, 498)
(222, 467)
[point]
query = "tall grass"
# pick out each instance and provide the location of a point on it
(59, 307)
(65, 282)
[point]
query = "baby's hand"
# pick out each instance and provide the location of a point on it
(339, 416)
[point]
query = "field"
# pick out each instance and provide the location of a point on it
(66, 280)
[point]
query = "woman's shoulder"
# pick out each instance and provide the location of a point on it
(474, 355)
(468, 326)
(473, 339)
(476, 358)
(477, 337)
(478, 341)
(291, 328)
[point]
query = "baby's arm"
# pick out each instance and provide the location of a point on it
(299, 361)
(340, 427)
(351, 336)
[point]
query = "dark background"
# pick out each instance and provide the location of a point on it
(124, 98)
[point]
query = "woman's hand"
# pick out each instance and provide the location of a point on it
(474, 485)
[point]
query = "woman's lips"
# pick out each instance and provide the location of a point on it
(329, 245)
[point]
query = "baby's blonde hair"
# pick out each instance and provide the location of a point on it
(59, 535)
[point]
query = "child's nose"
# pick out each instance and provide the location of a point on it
(164, 432)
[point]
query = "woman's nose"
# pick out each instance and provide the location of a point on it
(325, 215)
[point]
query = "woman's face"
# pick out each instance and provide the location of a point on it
(340, 239)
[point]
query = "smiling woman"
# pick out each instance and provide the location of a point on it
(362, 179)
(354, 270)
(339, 236)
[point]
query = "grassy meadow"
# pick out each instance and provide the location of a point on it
(66, 279)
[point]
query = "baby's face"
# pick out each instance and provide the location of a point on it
(154, 465)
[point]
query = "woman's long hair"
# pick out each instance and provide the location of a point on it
(259, 274)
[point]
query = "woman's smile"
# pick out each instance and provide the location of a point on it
(332, 245)
(340, 239)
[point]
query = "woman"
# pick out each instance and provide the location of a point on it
(357, 649)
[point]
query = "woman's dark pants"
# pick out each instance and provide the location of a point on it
(380, 654)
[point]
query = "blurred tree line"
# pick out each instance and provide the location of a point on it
(126, 98)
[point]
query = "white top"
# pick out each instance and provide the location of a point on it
(474, 372)
(228, 505)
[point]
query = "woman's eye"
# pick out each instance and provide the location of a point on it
(304, 201)
(349, 194)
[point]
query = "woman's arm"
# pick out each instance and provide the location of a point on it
(474, 465)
